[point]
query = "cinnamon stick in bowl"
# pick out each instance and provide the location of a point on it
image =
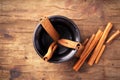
(46, 24)
(80, 50)
(50, 51)
(70, 43)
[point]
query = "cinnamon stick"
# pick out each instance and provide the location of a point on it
(100, 54)
(82, 48)
(70, 43)
(50, 51)
(88, 51)
(87, 45)
(100, 44)
(46, 24)
(85, 42)
(113, 36)
(79, 52)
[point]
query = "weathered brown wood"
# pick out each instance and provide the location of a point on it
(18, 19)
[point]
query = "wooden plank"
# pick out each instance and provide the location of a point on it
(18, 19)
(112, 72)
(4, 74)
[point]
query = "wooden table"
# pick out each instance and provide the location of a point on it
(18, 19)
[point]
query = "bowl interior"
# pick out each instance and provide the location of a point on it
(67, 29)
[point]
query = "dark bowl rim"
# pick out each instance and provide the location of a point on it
(77, 31)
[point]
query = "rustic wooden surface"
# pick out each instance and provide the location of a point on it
(18, 19)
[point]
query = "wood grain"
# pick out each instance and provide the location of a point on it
(18, 19)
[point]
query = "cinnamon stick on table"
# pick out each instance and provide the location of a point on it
(50, 51)
(100, 54)
(100, 44)
(46, 24)
(113, 36)
(85, 42)
(87, 45)
(88, 51)
(78, 62)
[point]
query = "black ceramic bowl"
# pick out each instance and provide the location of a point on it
(66, 28)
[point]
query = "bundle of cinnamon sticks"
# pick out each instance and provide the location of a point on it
(95, 46)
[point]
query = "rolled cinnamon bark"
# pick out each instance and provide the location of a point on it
(78, 62)
(88, 51)
(46, 24)
(87, 45)
(100, 54)
(50, 51)
(80, 50)
(70, 44)
(100, 44)
(113, 36)
(85, 42)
